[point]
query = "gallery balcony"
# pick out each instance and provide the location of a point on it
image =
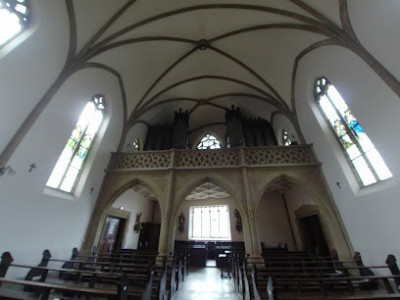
(273, 156)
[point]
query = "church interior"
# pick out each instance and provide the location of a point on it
(162, 125)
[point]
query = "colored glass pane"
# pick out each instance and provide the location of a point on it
(338, 126)
(346, 141)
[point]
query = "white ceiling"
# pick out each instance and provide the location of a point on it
(154, 46)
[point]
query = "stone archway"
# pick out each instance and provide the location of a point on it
(185, 183)
(296, 194)
(114, 186)
(215, 198)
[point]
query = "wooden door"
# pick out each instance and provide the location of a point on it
(313, 236)
(112, 235)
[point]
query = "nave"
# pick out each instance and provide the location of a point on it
(206, 283)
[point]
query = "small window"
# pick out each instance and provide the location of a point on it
(209, 223)
(209, 142)
(285, 138)
(359, 149)
(71, 161)
(14, 18)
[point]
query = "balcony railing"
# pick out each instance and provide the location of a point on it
(275, 156)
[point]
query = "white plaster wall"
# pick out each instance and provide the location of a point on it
(19, 67)
(272, 222)
(376, 26)
(185, 207)
(370, 213)
(31, 219)
(134, 203)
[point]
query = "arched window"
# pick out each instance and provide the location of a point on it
(71, 161)
(209, 142)
(285, 138)
(359, 149)
(14, 18)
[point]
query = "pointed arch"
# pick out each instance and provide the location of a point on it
(318, 197)
(115, 186)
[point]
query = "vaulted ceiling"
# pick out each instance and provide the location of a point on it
(203, 56)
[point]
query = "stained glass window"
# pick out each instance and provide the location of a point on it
(209, 142)
(361, 152)
(210, 222)
(285, 138)
(71, 160)
(14, 18)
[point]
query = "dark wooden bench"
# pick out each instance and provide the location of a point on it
(355, 281)
(136, 285)
(43, 290)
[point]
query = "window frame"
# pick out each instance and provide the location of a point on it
(24, 19)
(99, 103)
(323, 91)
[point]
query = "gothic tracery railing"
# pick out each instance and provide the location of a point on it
(298, 155)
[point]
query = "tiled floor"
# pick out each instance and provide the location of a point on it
(207, 284)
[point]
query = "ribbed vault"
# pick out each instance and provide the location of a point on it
(201, 57)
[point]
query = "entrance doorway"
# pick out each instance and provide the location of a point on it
(112, 235)
(313, 236)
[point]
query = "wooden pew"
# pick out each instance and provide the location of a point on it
(33, 288)
(133, 263)
(99, 281)
(353, 282)
(298, 259)
(46, 288)
(239, 274)
(38, 272)
(88, 272)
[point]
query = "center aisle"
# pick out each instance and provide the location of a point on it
(207, 284)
